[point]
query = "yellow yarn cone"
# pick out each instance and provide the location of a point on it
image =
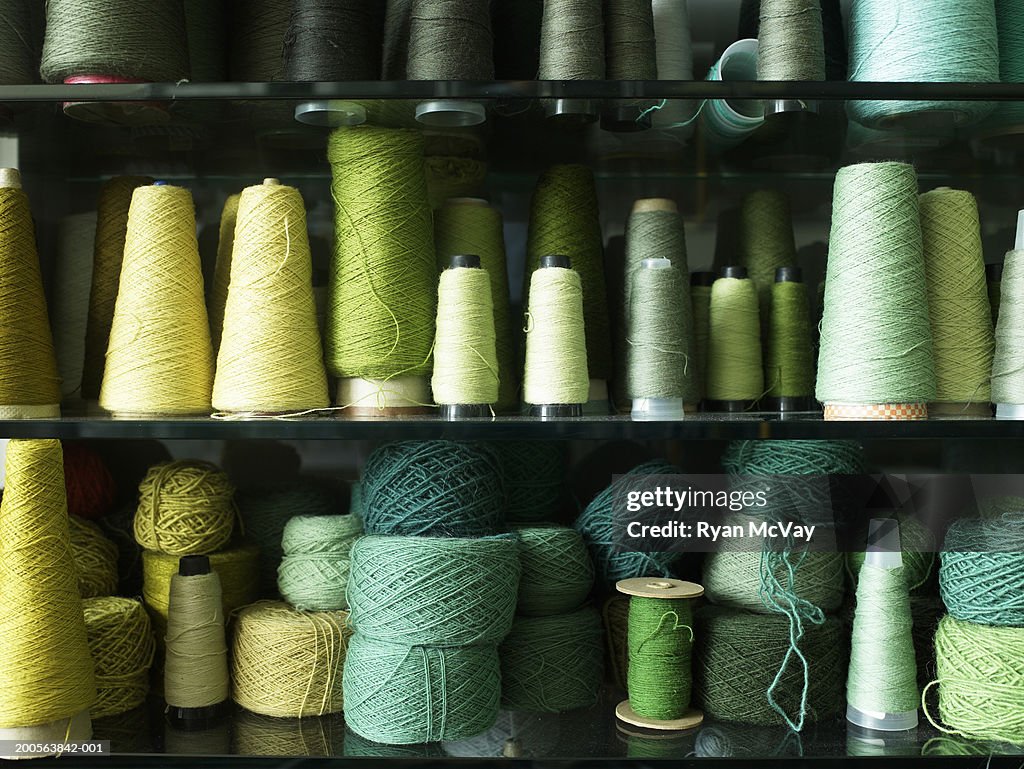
(29, 383)
(159, 359)
(46, 673)
(270, 357)
(222, 269)
(108, 252)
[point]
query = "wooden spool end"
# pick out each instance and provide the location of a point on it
(691, 719)
(400, 396)
(77, 728)
(875, 412)
(644, 205)
(659, 587)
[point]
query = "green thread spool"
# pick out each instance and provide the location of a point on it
(564, 219)
(700, 300)
(993, 278)
(406, 695)
(552, 664)
(660, 642)
(789, 358)
(433, 489)
(766, 240)
(875, 360)
(380, 320)
(557, 572)
(534, 474)
(471, 226)
(736, 658)
(465, 381)
(958, 306)
(980, 675)
(881, 686)
(434, 591)
(555, 381)
(735, 376)
(313, 574)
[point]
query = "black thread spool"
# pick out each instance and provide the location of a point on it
(101, 42)
(790, 404)
(333, 41)
(450, 40)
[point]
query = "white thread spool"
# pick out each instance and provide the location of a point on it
(72, 283)
(726, 123)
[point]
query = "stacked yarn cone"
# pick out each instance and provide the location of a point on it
(551, 660)
(432, 593)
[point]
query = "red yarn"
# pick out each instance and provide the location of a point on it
(90, 486)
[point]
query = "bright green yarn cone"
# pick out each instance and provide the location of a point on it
(789, 357)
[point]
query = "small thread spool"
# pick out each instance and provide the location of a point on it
(735, 376)
(726, 123)
(450, 40)
(185, 507)
(700, 300)
(994, 278)
(313, 575)
(269, 359)
(122, 648)
(875, 359)
(196, 662)
(658, 352)
(555, 382)
(659, 651)
(789, 360)
(286, 663)
(29, 383)
(95, 559)
(572, 48)
(333, 42)
(115, 198)
(70, 309)
(115, 42)
(465, 379)
(159, 357)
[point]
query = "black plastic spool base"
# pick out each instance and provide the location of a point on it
(790, 403)
(735, 271)
(730, 407)
(453, 412)
(556, 410)
(197, 719)
(626, 118)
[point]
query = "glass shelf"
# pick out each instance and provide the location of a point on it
(759, 425)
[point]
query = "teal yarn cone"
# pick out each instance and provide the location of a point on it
(875, 334)
(557, 572)
(596, 525)
(441, 591)
(313, 573)
(739, 672)
(552, 664)
(1008, 116)
(896, 42)
(883, 669)
(982, 570)
(433, 489)
(405, 695)
(534, 474)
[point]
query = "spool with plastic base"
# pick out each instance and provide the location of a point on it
(398, 396)
(450, 113)
(121, 113)
(330, 113)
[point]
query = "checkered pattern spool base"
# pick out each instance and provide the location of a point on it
(853, 412)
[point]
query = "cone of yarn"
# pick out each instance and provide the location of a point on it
(734, 371)
(875, 334)
(122, 647)
(465, 357)
(890, 43)
(396, 39)
(470, 226)
(557, 572)
(674, 50)
(222, 268)
(47, 673)
(286, 663)
(380, 321)
(766, 239)
(185, 508)
(1008, 117)
(404, 695)
(159, 358)
(20, 43)
(958, 306)
(270, 357)
(629, 42)
(557, 363)
(70, 310)
(572, 41)
(1007, 373)
(658, 355)
(29, 383)
(791, 44)
(95, 558)
(115, 199)
(450, 40)
(789, 356)
(313, 575)
(564, 219)
(91, 489)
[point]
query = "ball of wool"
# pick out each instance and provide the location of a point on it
(534, 473)
(794, 458)
(90, 486)
(982, 570)
(95, 558)
(313, 574)
(596, 525)
(734, 578)
(553, 664)
(185, 508)
(433, 489)
(440, 591)
(122, 647)
(402, 695)
(557, 572)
